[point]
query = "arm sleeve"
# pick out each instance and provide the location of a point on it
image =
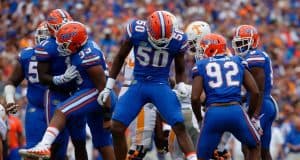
(196, 70)
(184, 44)
(256, 60)
(44, 53)
(92, 60)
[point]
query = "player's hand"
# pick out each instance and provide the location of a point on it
(181, 90)
(69, 75)
(102, 97)
(257, 126)
(12, 108)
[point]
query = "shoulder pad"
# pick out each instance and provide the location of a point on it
(136, 28)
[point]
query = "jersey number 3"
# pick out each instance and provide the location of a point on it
(213, 70)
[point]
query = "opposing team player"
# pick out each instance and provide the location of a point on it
(221, 78)
(245, 43)
(55, 71)
(195, 31)
(155, 44)
(85, 55)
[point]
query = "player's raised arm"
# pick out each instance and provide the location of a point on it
(251, 87)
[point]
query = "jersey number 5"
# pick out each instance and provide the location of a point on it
(32, 72)
(213, 70)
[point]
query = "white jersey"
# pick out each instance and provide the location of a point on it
(3, 129)
(129, 66)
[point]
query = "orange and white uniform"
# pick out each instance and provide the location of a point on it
(142, 128)
(190, 122)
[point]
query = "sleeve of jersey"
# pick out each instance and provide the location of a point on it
(255, 61)
(42, 53)
(184, 44)
(91, 60)
(129, 30)
(195, 70)
(20, 60)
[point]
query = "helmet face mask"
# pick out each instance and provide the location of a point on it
(63, 48)
(242, 45)
(195, 50)
(245, 38)
(42, 33)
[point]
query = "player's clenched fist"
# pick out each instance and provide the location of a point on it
(106, 91)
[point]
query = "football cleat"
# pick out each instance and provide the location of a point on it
(39, 151)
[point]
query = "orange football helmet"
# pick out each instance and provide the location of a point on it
(41, 33)
(71, 37)
(56, 18)
(245, 38)
(213, 44)
(160, 29)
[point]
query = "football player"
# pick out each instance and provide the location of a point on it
(143, 126)
(156, 43)
(221, 78)
(85, 55)
(26, 68)
(195, 31)
(245, 42)
(55, 71)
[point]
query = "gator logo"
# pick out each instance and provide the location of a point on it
(66, 36)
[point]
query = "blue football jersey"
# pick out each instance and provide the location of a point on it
(152, 63)
(222, 78)
(47, 51)
(258, 58)
(35, 90)
(89, 56)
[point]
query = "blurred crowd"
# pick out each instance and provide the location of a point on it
(278, 22)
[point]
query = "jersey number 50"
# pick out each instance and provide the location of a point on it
(160, 57)
(213, 70)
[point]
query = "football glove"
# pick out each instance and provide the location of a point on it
(69, 75)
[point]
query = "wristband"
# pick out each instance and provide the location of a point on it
(9, 92)
(110, 83)
(57, 80)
